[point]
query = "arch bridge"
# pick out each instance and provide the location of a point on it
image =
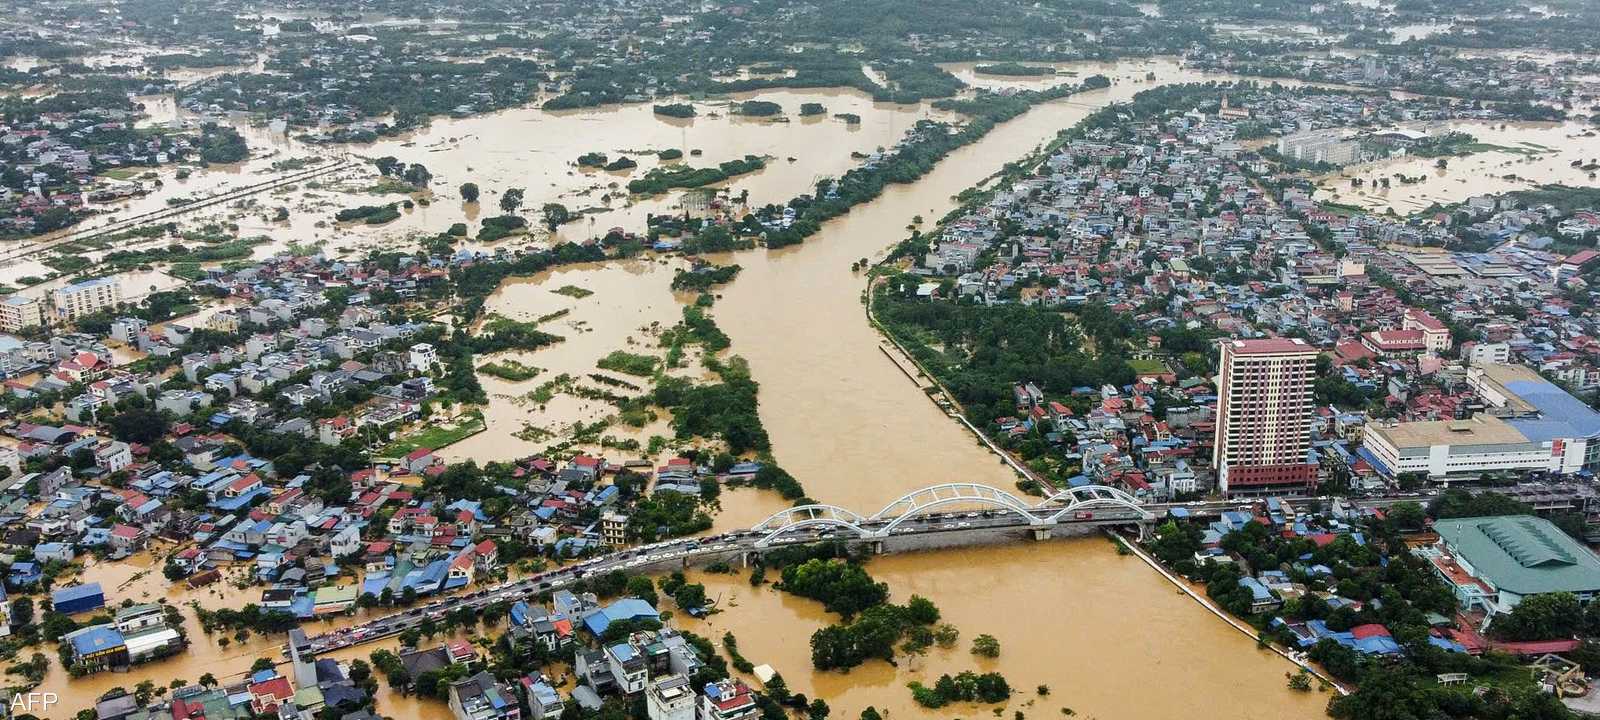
(1068, 506)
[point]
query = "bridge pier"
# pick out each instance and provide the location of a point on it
(877, 547)
(1041, 533)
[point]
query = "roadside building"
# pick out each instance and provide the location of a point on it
(1453, 448)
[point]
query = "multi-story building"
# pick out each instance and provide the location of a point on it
(84, 298)
(1326, 146)
(1531, 425)
(1264, 417)
(614, 529)
(1435, 336)
(1488, 353)
(727, 700)
(670, 698)
(18, 312)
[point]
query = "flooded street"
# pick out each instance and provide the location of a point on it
(1108, 636)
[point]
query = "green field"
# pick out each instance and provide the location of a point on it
(1148, 366)
(434, 437)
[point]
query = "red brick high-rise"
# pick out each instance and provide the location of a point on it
(1264, 417)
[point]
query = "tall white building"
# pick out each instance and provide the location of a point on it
(1264, 417)
(84, 298)
(1327, 146)
(670, 698)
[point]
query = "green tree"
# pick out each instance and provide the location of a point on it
(1546, 616)
(986, 645)
(1407, 515)
(469, 192)
(555, 215)
(510, 200)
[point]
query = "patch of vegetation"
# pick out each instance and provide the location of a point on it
(660, 180)
(758, 108)
(436, 436)
(1014, 70)
(704, 278)
(510, 370)
(625, 362)
(675, 110)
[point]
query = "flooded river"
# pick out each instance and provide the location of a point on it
(1109, 636)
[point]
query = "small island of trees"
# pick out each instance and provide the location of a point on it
(676, 110)
(1012, 69)
(759, 108)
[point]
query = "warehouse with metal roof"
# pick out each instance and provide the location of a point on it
(1495, 562)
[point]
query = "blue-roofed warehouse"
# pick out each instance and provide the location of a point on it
(78, 598)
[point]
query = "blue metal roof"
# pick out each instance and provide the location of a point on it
(96, 638)
(1563, 416)
(77, 592)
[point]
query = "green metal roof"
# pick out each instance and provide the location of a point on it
(1523, 554)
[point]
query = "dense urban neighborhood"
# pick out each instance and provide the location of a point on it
(395, 359)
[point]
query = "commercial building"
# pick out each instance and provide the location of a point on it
(18, 312)
(1263, 437)
(1532, 425)
(1459, 448)
(1492, 563)
(1543, 413)
(84, 298)
(97, 647)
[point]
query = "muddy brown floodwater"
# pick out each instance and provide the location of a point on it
(1109, 636)
(1515, 156)
(1104, 632)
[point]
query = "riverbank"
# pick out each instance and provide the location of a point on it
(1206, 603)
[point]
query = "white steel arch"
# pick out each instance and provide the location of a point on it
(921, 502)
(1089, 497)
(809, 516)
